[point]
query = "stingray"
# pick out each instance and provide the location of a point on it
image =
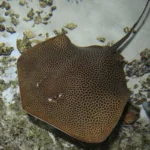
(81, 91)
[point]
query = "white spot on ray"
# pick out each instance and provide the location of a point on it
(51, 100)
(37, 84)
(55, 98)
(60, 95)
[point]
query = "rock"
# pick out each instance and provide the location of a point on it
(11, 13)
(101, 39)
(136, 86)
(145, 84)
(1, 148)
(17, 15)
(71, 26)
(23, 44)
(138, 98)
(146, 106)
(44, 3)
(2, 19)
(30, 14)
(6, 50)
(127, 30)
(29, 34)
(14, 21)
(145, 55)
(10, 30)
(5, 5)
(22, 2)
(133, 114)
(2, 28)
(53, 8)
(6, 13)
(63, 31)
(111, 43)
(38, 19)
(49, 2)
(2, 45)
(148, 94)
(139, 67)
(47, 17)
(148, 80)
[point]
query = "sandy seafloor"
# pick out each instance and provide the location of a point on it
(93, 18)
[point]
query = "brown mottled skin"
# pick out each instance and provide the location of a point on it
(79, 90)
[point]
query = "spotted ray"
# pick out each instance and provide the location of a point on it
(79, 90)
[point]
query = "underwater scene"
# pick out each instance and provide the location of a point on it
(74, 75)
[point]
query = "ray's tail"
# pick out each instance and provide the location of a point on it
(121, 41)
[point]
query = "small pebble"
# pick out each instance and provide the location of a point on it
(17, 15)
(2, 148)
(101, 39)
(2, 28)
(136, 86)
(148, 80)
(131, 117)
(6, 50)
(47, 17)
(138, 98)
(49, 2)
(148, 94)
(53, 8)
(30, 14)
(127, 30)
(146, 106)
(110, 43)
(11, 13)
(6, 13)
(39, 12)
(63, 31)
(2, 19)
(29, 34)
(45, 22)
(14, 21)
(2, 45)
(10, 30)
(71, 26)
(5, 5)
(133, 114)
(23, 44)
(38, 19)
(43, 4)
(145, 54)
(22, 2)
